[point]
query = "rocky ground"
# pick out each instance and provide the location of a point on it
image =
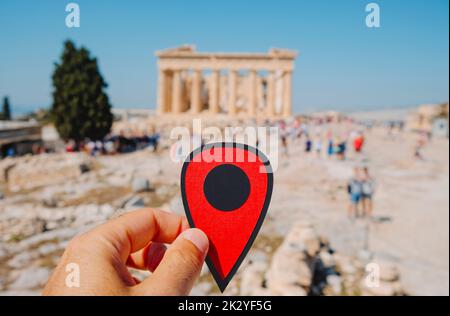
(307, 245)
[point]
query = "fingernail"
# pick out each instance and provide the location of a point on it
(198, 238)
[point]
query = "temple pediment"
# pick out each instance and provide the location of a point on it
(189, 51)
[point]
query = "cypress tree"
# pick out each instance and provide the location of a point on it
(6, 109)
(80, 108)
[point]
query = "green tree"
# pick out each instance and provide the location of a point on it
(6, 110)
(80, 108)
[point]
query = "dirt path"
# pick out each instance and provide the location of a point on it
(411, 205)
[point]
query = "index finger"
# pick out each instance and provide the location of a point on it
(133, 231)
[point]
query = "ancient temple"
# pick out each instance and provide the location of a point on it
(238, 84)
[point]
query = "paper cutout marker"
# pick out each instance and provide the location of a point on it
(228, 200)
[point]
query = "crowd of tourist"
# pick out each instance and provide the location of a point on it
(115, 144)
(360, 189)
(322, 138)
(319, 137)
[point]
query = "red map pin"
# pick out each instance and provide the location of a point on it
(226, 190)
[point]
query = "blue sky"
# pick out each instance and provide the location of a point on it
(342, 63)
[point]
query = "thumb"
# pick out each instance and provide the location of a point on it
(180, 266)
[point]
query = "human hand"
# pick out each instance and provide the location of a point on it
(136, 240)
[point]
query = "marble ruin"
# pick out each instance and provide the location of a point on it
(237, 84)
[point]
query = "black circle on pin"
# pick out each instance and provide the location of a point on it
(226, 187)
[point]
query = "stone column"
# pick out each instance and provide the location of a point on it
(168, 92)
(214, 92)
(162, 91)
(252, 98)
(176, 92)
(271, 95)
(232, 93)
(196, 106)
(186, 84)
(259, 93)
(287, 94)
